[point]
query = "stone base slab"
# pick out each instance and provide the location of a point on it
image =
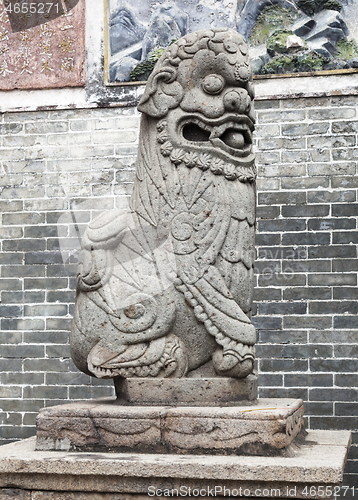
(55, 475)
(264, 427)
(215, 391)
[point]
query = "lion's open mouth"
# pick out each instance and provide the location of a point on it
(233, 136)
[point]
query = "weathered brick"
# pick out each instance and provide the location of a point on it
(321, 408)
(332, 279)
(10, 311)
(67, 378)
(23, 271)
(297, 351)
(53, 392)
(338, 423)
(305, 182)
(41, 337)
(46, 127)
(334, 307)
(330, 197)
(22, 297)
(282, 308)
(331, 141)
(271, 379)
(268, 158)
(23, 245)
(262, 294)
(346, 380)
(46, 310)
(345, 293)
(345, 182)
(300, 129)
(306, 211)
(10, 365)
(345, 265)
(299, 322)
(281, 225)
(282, 171)
(324, 224)
(45, 283)
(346, 351)
(267, 239)
(349, 209)
(267, 322)
(339, 168)
(308, 266)
(282, 279)
(309, 380)
(333, 336)
(306, 238)
(8, 431)
(89, 392)
(333, 394)
(306, 293)
(267, 351)
(9, 392)
(280, 392)
(11, 128)
(22, 351)
(345, 237)
(267, 212)
(281, 198)
(58, 351)
(347, 322)
(282, 253)
(334, 365)
(349, 127)
(11, 337)
(46, 365)
(22, 324)
(267, 104)
(283, 365)
(331, 114)
(22, 378)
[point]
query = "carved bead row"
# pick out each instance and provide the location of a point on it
(204, 161)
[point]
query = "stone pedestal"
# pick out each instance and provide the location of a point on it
(216, 440)
(263, 427)
(312, 471)
(212, 416)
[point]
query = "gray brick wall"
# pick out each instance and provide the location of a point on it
(59, 169)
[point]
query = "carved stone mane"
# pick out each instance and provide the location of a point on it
(165, 288)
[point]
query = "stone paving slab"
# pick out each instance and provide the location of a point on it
(318, 461)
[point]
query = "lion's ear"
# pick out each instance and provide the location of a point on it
(162, 93)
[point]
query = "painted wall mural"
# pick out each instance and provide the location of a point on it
(285, 36)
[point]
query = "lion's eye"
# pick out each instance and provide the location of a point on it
(213, 84)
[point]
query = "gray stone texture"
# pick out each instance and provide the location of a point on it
(64, 182)
(264, 427)
(166, 287)
(318, 462)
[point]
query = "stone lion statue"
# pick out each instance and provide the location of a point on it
(165, 288)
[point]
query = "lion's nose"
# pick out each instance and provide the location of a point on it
(237, 101)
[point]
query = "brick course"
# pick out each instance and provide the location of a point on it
(59, 169)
